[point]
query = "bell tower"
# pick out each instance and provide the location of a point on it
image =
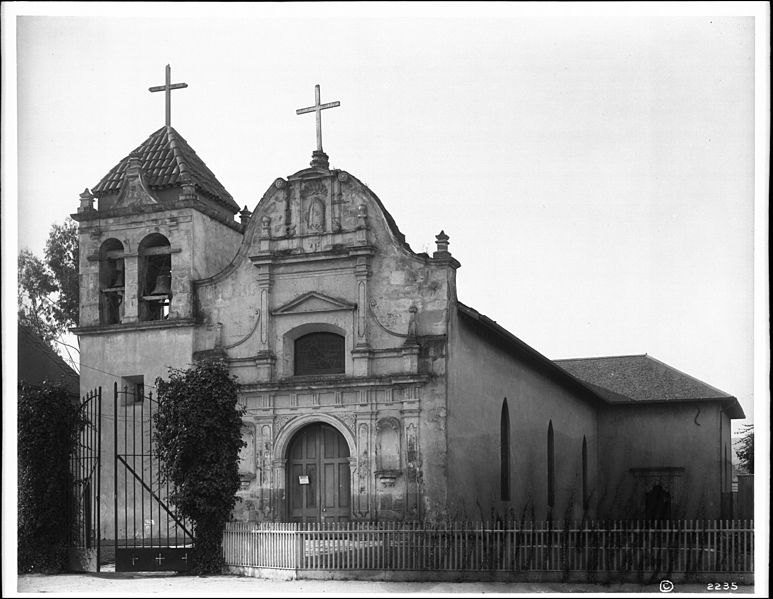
(146, 239)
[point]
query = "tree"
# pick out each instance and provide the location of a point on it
(36, 285)
(62, 255)
(745, 448)
(48, 299)
(197, 432)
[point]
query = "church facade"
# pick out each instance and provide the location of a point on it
(371, 392)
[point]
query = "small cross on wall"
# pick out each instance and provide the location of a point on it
(159, 558)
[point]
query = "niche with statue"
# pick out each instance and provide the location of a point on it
(390, 488)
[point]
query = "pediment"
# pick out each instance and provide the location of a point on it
(134, 192)
(313, 302)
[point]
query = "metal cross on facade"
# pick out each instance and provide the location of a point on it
(168, 87)
(318, 108)
(160, 559)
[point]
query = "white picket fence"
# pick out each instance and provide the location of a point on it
(717, 546)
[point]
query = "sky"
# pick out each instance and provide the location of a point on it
(593, 165)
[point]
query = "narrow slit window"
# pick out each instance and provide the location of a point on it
(584, 474)
(504, 459)
(551, 468)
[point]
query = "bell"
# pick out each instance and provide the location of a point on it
(163, 285)
(117, 275)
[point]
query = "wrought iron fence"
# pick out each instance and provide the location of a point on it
(83, 504)
(715, 546)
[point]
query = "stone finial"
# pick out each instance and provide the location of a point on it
(362, 223)
(245, 216)
(135, 163)
(441, 239)
(87, 201)
(410, 340)
(319, 160)
(188, 191)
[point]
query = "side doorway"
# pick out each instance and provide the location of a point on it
(319, 484)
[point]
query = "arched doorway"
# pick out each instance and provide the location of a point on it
(318, 477)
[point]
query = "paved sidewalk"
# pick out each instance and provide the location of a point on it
(112, 584)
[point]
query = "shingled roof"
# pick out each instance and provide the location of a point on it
(38, 362)
(168, 161)
(641, 378)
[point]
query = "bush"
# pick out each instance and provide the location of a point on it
(48, 426)
(197, 432)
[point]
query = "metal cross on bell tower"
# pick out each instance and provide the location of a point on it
(319, 158)
(167, 88)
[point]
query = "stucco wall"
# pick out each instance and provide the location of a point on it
(214, 245)
(652, 438)
(105, 359)
(481, 375)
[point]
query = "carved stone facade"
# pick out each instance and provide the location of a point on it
(318, 247)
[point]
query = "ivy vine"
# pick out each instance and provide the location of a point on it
(48, 427)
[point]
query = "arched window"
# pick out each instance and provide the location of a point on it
(155, 277)
(319, 353)
(551, 469)
(111, 282)
(584, 474)
(504, 452)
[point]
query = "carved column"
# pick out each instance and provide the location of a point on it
(364, 484)
(410, 414)
(265, 470)
(265, 358)
(354, 482)
(278, 491)
(361, 353)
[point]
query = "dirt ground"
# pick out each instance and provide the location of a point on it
(112, 584)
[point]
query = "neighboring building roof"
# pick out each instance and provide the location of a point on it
(642, 378)
(38, 362)
(168, 161)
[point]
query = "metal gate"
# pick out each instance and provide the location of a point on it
(83, 500)
(149, 533)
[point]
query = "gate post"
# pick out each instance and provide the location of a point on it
(115, 463)
(83, 501)
(99, 476)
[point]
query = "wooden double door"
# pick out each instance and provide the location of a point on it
(319, 480)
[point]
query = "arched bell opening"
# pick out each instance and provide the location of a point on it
(111, 282)
(155, 277)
